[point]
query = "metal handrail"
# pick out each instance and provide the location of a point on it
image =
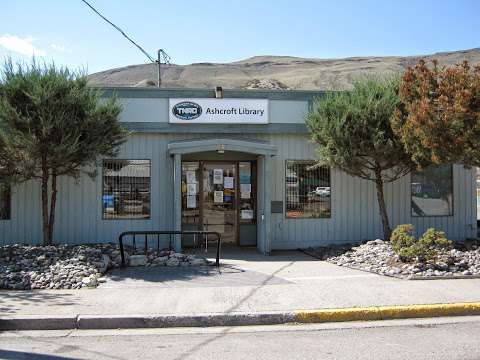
(167, 232)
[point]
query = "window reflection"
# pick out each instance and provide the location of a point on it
(4, 202)
(432, 191)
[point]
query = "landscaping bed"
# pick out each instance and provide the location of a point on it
(377, 256)
(24, 267)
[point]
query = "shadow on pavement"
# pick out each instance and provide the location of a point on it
(21, 355)
(37, 297)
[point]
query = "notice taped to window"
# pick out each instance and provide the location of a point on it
(228, 182)
(218, 197)
(191, 202)
(246, 214)
(218, 176)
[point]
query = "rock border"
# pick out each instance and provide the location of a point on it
(377, 257)
(30, 267)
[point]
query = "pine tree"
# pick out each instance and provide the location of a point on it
(52, 124)
(353, 133)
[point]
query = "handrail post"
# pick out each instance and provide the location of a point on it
(122, 252)
(217, 260)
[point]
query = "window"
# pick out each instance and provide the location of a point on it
(307, 189)
(126, 189)
(5, 202)
(432, 191)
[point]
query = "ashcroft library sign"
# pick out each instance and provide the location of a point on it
(218, 111)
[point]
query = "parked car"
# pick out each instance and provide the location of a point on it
(322, 191)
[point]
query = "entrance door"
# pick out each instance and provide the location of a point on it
(220, 196)
(219, 210)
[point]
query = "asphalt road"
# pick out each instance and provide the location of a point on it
(445, 338)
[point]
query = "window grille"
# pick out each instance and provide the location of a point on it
(308, 190)
(126, 189)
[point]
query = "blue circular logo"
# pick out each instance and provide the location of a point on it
(187, 110)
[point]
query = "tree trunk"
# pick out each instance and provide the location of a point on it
(381, 204)
(53, 203)
(46, 226)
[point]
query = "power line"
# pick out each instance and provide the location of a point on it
(122, 32)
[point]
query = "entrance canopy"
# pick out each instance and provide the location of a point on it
(202, 145)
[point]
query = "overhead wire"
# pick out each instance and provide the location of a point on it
(121, 32)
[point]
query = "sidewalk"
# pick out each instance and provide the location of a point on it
(248, 283)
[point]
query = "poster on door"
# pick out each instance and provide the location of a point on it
(244, 188)
(191, 178)
(246, 214)
(218, 197)
(228, 182)
(218, 176)
(191, 189)
(191, 202)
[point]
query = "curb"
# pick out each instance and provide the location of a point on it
(387, 312)
(95, 322)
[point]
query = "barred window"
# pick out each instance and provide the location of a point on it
(307, 189)
(5, 202)
(432, 191)
(126, 189)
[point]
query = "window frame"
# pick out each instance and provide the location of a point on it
(305, 161)
(149, 190)
(452, 214)
(8, 190)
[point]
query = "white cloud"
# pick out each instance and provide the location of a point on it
(61, 48)
(21, 45)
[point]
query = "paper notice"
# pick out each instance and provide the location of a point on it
(191, 189)
(191, 202)
(245, 188)
(246, 214)
(191, 178)
(245, 195)
(218, 197)
(218, 176)
(228, 182)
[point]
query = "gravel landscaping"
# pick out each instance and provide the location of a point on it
(24, 267)
(378, 257)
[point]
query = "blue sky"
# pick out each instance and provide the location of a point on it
(69, 33)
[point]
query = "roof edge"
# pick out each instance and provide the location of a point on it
(144, 92)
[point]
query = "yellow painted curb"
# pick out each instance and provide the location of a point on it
(387, 312)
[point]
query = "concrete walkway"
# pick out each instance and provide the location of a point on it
(248, 282)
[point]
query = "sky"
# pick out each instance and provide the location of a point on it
(68, 33)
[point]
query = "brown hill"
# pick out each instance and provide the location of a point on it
(271, 72)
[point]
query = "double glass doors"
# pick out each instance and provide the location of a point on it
(218, 196)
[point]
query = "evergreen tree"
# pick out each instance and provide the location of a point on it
(52, 124)
(353, 133)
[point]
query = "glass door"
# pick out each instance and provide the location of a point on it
(219, 205)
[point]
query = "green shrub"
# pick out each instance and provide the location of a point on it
(426, 247)
(402, 237)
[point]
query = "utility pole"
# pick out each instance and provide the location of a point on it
(159, 70)
(166, 59)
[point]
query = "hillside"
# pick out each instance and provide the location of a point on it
(271, 72)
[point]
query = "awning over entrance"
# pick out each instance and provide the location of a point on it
(203, 145)
(263, 151)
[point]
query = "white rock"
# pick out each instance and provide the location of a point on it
(161, 260)
(197, 262)
(172, 262)
(90, 281)
(138, 260)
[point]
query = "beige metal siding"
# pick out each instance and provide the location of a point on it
(354, 204)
